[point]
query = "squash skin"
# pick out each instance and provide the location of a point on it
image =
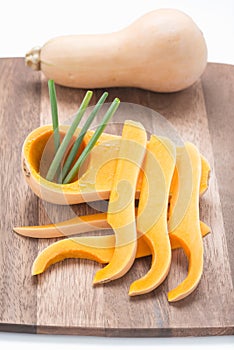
(158, 170)
(121, 207)
(184, 222)
(162, 51)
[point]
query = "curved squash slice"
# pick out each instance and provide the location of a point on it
(74, 226)
(92, 248)
(184, 225)
(152, 212)
(121, 208)
(96, 248)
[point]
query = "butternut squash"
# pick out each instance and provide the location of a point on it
(158, 168)
(184, 224)
(96, 181)
(121, 208)
(163, 51)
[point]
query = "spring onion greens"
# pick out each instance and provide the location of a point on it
(63, 146)
(54, 113)
(79, 140)
(108, 115)
(67, 176)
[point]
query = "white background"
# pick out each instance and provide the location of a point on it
(28, 23)
(25, 24)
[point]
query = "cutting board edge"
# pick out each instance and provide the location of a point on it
(18, 328)
(137, 332)
(116, 332)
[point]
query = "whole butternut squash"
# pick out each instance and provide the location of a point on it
(162, 51)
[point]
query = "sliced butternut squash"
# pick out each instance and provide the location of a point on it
(96, 248)
(184, 225)
(98, 221)
(152, 212)
(94, 184)
(99, 248)
(121, 208)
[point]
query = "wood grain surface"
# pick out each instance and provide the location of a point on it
(62, 300)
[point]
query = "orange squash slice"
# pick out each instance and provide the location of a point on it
(121, 208)
(152, 212)
(184, 224)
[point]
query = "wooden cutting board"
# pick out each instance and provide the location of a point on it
(62, 300)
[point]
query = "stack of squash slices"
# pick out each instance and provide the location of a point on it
(167, 180)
